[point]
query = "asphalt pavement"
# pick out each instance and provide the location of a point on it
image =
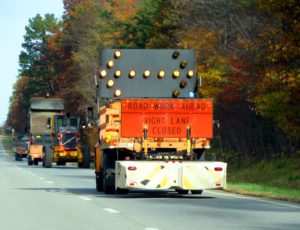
(64, 197)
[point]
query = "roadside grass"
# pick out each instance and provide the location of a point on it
(276, 178)
(8, 144)
(266, 191)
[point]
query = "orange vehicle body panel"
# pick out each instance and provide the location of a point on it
(167, 118)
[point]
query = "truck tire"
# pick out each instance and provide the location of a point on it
(196, 192)
(47, 160)
(107, 189)
(182, 191)
(122, 191)
(30, 162)
(108, 163)
(16, 156)
(36, 162)
(99, 182)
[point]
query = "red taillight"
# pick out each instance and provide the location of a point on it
(132, 184)
(218, 169)
(77, 135)
(59, 136)
(131, 168)
(218, 184)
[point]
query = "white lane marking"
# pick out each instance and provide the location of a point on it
(33, 174)
(151, 228)
(256, 199)
(50, 182)
(85, 198)
(42, 178)
(110, 210)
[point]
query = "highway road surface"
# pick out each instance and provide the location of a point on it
(64, 197)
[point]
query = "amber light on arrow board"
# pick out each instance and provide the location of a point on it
(190, 74)
(110, 84)
(117, 54)
(175, 54)
(118, 74)
(110, 64)
(161, 74)
(176, 93)
(117, 93)
(132, 74)
(103, 73)
(176, 74)
(147, 73)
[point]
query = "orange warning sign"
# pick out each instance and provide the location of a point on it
(167, 117)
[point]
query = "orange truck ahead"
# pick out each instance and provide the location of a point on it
(153, 128)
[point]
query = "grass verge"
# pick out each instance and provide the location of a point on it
(266, 191)
(7, 143)
(275, 179)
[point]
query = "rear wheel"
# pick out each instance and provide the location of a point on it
(196, 192)
(182, 191)
(108, 171)
(99, 182)
(35, 161)
(30, 162)
(122, 191)
(47, 160)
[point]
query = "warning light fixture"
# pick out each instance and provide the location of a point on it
(161, 74)
(147, 73)
(183, 84)
(110, 84)
(132, 74)
(117, 54)
(176, 93)
(183, 64)
(176, 74)
(103, 73)
(118, 73)
(117, 93)
(110, 64)
(190, 74)
(175, 54)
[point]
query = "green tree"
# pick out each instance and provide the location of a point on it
(36, 60)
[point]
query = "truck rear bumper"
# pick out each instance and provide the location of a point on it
(186, 175)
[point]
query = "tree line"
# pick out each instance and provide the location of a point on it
(247, 55)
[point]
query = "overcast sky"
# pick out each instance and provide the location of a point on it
(14, 16)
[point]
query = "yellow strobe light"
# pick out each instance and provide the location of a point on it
(118, 73)
(117, 93)
(190, 74)
(118, 54)
(147, 73)
(110, 84)
(132, 74)
(110, 64)
(103, 73)
(176, 74)
(161, 74)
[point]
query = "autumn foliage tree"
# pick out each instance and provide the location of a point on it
(247, 55)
